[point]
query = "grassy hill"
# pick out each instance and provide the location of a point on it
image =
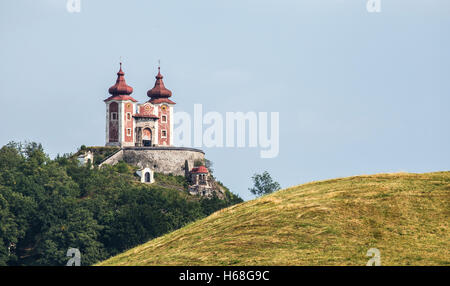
(333, 222)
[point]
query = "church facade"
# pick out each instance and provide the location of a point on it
(130, 124)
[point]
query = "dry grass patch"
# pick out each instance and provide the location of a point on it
(330, 222)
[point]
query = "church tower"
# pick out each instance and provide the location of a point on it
(163, 108)
(120, 107)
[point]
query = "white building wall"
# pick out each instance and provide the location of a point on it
(141, 173)
(171, 125)
(156, 112)
(133, 130)
(107, 124)
(121, 121)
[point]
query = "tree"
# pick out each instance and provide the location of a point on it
(209, 166)
(48, 206)
(198, 163)
(263, 184)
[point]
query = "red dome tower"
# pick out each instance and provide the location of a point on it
(159, 93)
(161, 106)
(120, 107)
(121, 89)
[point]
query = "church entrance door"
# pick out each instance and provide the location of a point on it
(147, 137)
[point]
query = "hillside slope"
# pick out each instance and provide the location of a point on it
(333, 222)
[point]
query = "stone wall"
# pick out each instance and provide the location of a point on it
(166, 160)
(113, 159)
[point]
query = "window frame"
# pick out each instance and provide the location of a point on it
(114, 116)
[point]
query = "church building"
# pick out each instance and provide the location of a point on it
(130, 124)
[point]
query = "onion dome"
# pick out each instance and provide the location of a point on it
(159, 90)
(121, 87)
(120, 91)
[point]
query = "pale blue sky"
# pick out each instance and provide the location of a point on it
(357, 92)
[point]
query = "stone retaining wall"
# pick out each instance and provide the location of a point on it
(166, 160)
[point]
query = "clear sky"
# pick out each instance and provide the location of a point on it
(357, 92)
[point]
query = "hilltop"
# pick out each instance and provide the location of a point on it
(332, 222)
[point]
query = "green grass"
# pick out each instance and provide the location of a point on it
(333, 222)
(100, 152)
(171, 181)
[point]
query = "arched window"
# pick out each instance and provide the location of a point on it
(147, 177)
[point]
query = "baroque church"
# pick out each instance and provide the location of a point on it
(129, 123)
(144, 134)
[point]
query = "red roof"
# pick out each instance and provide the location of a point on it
(200, 169)
(120, 97)
(121, 87)
(161, 100)
(159, 90)
(143, 115)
